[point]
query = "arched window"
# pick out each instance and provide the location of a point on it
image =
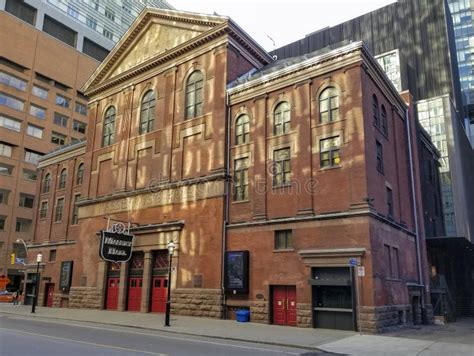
(329, 105)
(147, 113)
(108, 133)
(375, 111)
(80, 174)
(281, 119)
(242, 129)
(383, 120)
(194, 95)
(46, 183)
(62, 179)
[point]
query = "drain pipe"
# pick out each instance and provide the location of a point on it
(414, 202)
(226, 203)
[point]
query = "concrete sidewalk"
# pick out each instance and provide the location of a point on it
(336, 341)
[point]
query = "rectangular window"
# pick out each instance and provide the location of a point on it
(12, 102)
(79, 126)
(39, 92)
(388, 260)
(32, 157)
(75, 210)
(34, 131)
(329, 152)
(110, 14)
(37, 111)
(241, 179)
(91, 22)
(21, 10)
(58, 30)
(72, 11)
(107, 33)
(62, 101)
(43, 78)
(5, 150)
(29, 174)
(52, 256)
(58, 138)
(395, 263)
(43, 210)
(6, 169)
(27, 200)
(379, 156)
(389, 203)
(58, 213)
(94, 50)
(4, 194)
(60, 120)
(23, 225)
(10, 123)
(80, 108)
(3, 218)
(281, 167)
(283, 239)
(12, 81)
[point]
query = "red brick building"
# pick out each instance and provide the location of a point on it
(196, 135)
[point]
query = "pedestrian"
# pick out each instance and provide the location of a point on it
(15, 298)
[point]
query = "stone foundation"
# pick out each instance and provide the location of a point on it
(85, 298)
(197, 302)
(304, 315)
(385, 318)
(259, 312)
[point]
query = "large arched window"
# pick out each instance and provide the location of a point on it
(281, 118)
(147, 113)
(375, 110)
(242, 129)
(80, 174)
(108, 133)
(194, 95)
(329, 105)
(383, 120)
(62, 179)
(46, 183)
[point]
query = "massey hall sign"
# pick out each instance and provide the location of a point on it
(115, 246)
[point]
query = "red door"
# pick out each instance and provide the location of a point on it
(134, 294)
(158, 294)
(49, 294)
(112, 293)
(284, 305)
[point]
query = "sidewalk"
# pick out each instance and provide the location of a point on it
(337, 341)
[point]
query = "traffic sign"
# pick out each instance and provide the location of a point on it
(361, 271)
(352, 262)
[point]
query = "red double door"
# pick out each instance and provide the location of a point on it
(49, 294)
(284, 305)
(134, 293)
(112, 293)
(158, 294)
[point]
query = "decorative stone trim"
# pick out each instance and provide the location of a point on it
(197, 302)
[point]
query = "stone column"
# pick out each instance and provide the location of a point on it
(123, 286)
(101, 282)
(147, 266)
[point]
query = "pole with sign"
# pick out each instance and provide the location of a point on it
(360, 273)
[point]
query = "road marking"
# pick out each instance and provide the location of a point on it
(142, 333)
(84, 342)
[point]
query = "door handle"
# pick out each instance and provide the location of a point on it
(287, 307)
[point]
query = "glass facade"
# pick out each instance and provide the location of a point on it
(390, 63)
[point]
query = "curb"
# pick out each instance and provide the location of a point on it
(309, 348)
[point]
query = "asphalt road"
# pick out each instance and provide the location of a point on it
(22, 336)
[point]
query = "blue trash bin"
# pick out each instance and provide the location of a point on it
(243, 316)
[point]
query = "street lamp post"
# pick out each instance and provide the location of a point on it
(171, 246)
(39, 259)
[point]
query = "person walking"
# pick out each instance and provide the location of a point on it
(15, 298)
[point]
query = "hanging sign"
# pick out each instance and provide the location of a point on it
(115, 244)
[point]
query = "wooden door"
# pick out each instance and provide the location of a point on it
(134, 293)
(112, 293)
(158, 294)
(284, 305)
(49, 294)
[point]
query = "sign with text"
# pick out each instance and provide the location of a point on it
(237, 272)
(115, 246)
(66, 276)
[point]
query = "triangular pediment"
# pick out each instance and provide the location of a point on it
(154, 32)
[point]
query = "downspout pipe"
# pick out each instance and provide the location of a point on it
(414, 199)
(226, 203)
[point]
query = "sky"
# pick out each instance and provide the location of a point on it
(274, 23)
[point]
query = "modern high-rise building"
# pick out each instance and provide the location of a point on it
(41, 107)
(414, 42)
(91, 26)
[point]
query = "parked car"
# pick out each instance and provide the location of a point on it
(6, 296)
